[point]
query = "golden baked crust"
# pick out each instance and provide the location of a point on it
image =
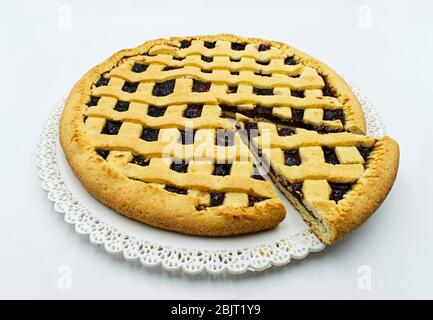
(283, 81)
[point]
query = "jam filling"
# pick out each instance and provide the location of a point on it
(102, 82)
(334, 114)
(222, 169)
(252, 129)
(330, 156)
(256, 112)
(290, 61)
(264, 47)
(365, 152)
(122, 106)
(200, 86)
(130, 87)
(294, 188)
(193, 111)
(139, 67)
(297, 190)
(209, 44)
(207, 59)
(141, 161)
(162, 89)
(176, 190)
(93, 101)
(298, 116)
(156, 111)
(285, 131)
(232, 89)
(256, 174)
(260, 113)
(238, 46)
(187, 137)
(261, 74)
(111, 127)
(297, 93)
(216, 199)
(327, 90)
(263, 91)
(201, 207)
(258, 177)
(339, 190)
(168, 68)
(292, 158)
(181, 167)
(103, 153)
(149, 134)
(185, 44)
(263, 63)
(253, 200)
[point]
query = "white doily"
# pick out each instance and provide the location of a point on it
(150, 254)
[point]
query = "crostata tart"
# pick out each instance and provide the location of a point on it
(173, 132)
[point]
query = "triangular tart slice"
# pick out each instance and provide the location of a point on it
(335, 180)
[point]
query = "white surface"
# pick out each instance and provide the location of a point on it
(385, 48)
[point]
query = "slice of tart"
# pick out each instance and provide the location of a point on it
(335, 180)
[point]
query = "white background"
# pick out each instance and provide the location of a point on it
(384, 47)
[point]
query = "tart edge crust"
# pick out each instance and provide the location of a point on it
(360, 203)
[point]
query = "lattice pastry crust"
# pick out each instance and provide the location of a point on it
(147, 131)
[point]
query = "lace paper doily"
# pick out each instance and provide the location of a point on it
(150, 254)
